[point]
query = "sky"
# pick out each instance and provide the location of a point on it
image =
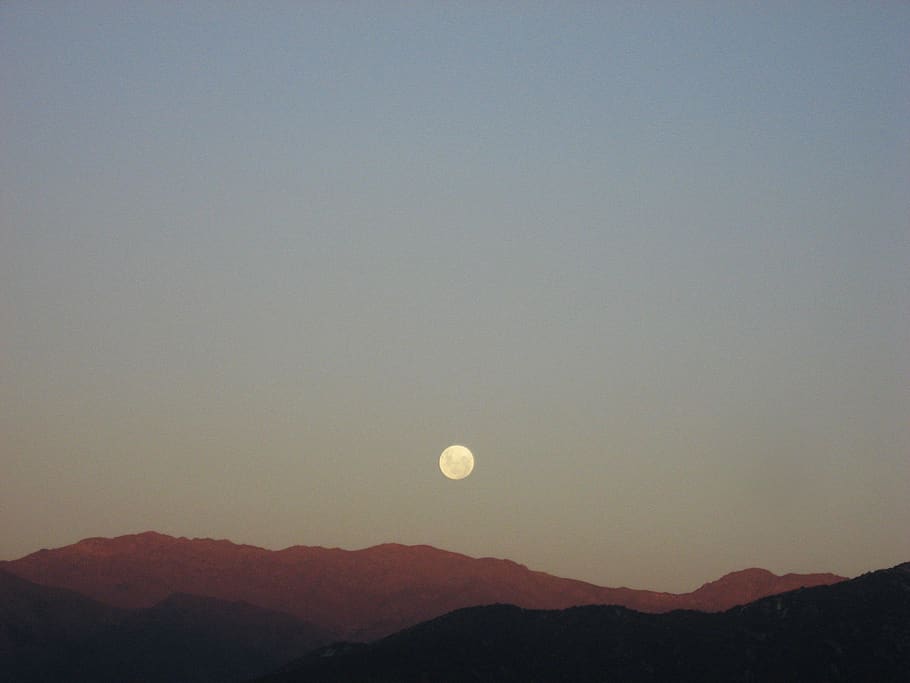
(260, 263)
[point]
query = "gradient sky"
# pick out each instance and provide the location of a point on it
(261, 262)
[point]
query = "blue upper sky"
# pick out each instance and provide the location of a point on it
(261, 263)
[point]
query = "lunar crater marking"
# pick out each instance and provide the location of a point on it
(456, 462)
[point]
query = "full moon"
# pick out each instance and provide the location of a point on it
(456, 462)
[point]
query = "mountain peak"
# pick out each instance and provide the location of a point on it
(99, 546)
(146, 540)
(744, 586)
(749, 572)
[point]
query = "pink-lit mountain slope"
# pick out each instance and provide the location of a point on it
(361, 594)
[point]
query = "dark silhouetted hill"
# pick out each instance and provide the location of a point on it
(51, 634)
(857, 630)
(42, 628)
(362, 594)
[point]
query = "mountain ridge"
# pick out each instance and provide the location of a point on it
(855, 630)
(360, 594)
(50, 634)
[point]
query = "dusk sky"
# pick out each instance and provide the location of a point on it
(260, 263)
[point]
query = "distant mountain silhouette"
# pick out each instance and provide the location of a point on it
(362, 594)
(857, 630)
(52, 634)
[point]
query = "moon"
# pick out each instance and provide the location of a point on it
(456, 462)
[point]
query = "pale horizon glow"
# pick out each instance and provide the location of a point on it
(260, 264)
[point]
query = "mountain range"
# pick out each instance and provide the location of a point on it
(357, 595)
(155, 608)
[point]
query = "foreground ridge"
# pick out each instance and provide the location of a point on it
(857, 630)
